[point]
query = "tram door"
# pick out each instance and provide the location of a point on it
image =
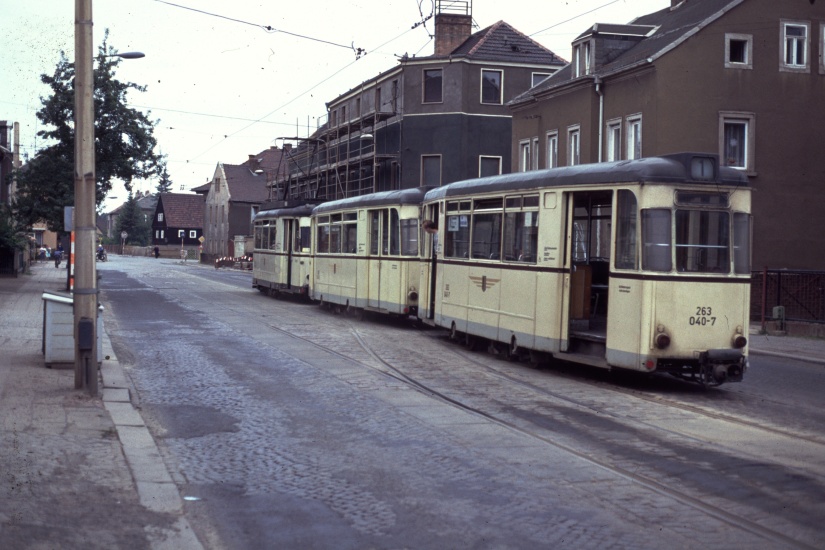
(289, 231)
(589, 222)
(430, 269)
(379, 246)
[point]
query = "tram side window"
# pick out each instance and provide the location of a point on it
(409, 237)
(374, 231)
(322, 239)
(273, 236)
(702, 241)
(521, 230)
(627, 256)
(395, 233)
(259, 229)
(741, 243)
(349, 245)
(335, 236)
(302, 238)
(656, 239)
(457, 239)
(487, 236)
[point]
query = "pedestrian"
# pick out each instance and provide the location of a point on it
(157, 252)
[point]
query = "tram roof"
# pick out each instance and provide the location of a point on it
(291, 212)
(382, 198)
(673, 169)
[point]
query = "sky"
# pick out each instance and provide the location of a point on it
(222, 86)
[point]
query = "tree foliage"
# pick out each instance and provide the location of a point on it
(124, 142)
(12, 233)
(132, 220)
(165, 182)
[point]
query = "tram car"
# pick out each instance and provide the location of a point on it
(367, 252)
(640, 264)
(282, 260)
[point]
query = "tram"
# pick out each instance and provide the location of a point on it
(639, 264)
(367, 252)
(282, 260)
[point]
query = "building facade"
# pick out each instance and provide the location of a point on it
(178, 220)
(739, 78)
(428, 121)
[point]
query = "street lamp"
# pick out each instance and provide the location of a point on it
(85, 281)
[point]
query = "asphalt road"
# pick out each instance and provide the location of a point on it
(287, 426)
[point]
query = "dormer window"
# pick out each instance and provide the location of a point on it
(582, 59)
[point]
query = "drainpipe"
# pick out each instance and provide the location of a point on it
(598, 82)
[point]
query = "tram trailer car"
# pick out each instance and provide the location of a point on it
(367, 252)
(282, 261)
(641, 265)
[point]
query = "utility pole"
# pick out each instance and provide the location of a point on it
(85, 283)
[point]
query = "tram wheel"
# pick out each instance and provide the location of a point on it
(473, 343)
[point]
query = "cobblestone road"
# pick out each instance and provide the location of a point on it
(296, 428)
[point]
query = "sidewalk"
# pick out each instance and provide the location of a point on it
(75, 471)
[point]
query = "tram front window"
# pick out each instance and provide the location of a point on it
(656, 239)
(702, 241)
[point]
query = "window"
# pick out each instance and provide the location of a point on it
(491, 86)
(534, 160)
(377, 100)
(181, 233)
(656, 240)
(738, 51)
(431, 170)
(576, 61)
(741, 243)
(409, 237)
(349, 233)
(614, 140)
(322, 238)
(193, 234)
(457, 236)
(394, 98)
(634, 137)
(433, 85)
(521, 229)
(736, 139)
(552, 149)
(626, 216)
(273, 236)
(795, 46)
(486, 234)
(160, 216)
(523, 156)
(587, 58)
(573, 146)
(702, 241)
(538, 78)
(489, 166)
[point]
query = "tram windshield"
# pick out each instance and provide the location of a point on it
(701, 241)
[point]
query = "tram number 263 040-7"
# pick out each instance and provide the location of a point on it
(703, 318)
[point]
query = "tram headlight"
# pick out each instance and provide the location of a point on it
(739, 341)
(662, 339)
(412, 295)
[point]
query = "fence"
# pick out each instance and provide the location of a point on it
(801, 295)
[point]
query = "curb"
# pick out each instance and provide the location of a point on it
(789, 355)
(156, 489)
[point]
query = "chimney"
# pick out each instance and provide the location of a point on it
(453, 25)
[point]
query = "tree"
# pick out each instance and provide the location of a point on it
(12, 233)
(165, 182)
(132, 220)
(124, 142)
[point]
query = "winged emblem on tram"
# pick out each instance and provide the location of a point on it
(483, 282)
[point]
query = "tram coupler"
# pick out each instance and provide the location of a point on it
(724, 365)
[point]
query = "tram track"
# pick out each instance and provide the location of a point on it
(374, 360)
(397, 374)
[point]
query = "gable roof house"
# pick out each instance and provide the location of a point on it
(232, 198)
(743, 79)
(178, 220)
(428, 121)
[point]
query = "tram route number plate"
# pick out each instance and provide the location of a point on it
(703, 318)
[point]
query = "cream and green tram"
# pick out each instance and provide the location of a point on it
(282, 260)
(367, 252)
(641, 265)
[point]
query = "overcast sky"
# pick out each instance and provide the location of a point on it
(223, 88)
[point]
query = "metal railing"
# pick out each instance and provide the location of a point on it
(787, 295)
